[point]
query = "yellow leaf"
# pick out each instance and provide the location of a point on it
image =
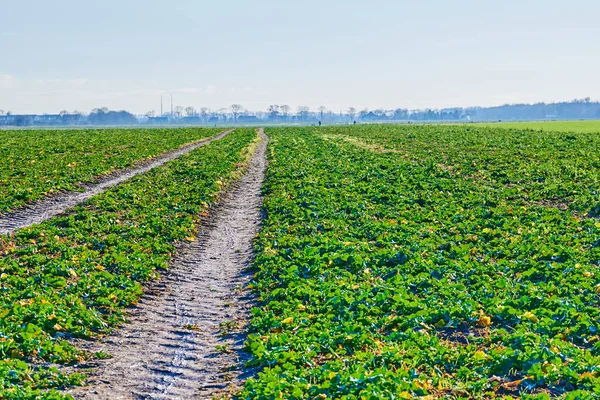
(57, 327)
(531, 317)
(25, 303)
(288, 320)
(485, 320)
(422, 384)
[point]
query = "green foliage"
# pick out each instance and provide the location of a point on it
(442, 261)
(553, 126)
(38, 163)
(74, 275)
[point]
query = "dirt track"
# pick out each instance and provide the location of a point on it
(174, 347)
(55, 205)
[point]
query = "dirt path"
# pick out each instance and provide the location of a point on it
(174, 347)
(55, 205)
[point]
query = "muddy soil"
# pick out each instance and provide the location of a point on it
(58, 204)
(185, 340)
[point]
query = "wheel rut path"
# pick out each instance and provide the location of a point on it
(185, 340)
(52, 206)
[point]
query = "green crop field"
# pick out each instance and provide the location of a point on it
(73, 275)
(393, 261)
(440, 261)
(38, 163)
(556, 126)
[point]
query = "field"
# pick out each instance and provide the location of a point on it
(73, 275)
(42, 162)
(411, 261)
(555, 126)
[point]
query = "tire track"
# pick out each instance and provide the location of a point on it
(174, 346)
(50, 207)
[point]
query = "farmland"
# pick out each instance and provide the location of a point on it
(399, 262)
(412, 261)
(40, 163)
(553, 126)
(73, 275)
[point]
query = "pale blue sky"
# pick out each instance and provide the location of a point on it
(67, 54)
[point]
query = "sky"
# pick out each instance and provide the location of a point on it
(79, 55)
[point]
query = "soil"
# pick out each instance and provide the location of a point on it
(58, 204)
(185, 339)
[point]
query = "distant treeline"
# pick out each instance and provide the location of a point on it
(576, 109)
(99, 116)
(571, 110)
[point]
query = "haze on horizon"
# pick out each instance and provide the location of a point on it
(413, 54)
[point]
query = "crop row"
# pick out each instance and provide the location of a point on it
(400, 262)
(73, 275)
(38, 163)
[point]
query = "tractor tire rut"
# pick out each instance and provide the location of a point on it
(52, 206)
(185, 339)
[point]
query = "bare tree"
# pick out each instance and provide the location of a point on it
(102, 110)
(285, 111)
(322, 110)
(179, 111)
(2, 112)
(362, 113)
(351, 113)
(273, 111)
(222, 114)
(63, 112)
(303, 112)
(149, 114)
(204, 113)
(236, 109)
(190, 111)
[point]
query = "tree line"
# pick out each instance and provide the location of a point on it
(575, 109)
(236, 113)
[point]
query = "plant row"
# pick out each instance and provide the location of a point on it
(38, 163)
(403, 262)
(74, 275)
